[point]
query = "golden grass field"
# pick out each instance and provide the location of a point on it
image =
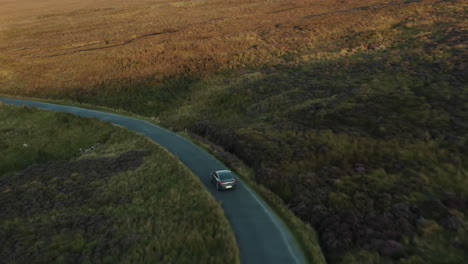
(58, 45)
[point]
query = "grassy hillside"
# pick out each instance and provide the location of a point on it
(353, 112)
(370, 148)
(75, 190)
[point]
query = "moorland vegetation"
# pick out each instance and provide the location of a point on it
(353, 112)
(76, 190)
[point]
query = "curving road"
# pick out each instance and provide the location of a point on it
(261, 236)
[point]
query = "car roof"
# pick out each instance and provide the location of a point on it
(225, 173)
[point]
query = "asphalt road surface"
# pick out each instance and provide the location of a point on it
(261, 236)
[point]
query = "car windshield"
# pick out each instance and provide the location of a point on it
(225, 176)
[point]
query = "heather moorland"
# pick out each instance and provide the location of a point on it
(352, 112)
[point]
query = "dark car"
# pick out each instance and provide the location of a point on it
(223, 179)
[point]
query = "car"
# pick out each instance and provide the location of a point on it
(223, 179)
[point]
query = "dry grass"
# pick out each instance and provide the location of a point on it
(52, 45)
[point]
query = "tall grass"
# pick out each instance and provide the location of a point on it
(137, 215)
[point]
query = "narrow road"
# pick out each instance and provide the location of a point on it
(261, 236)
